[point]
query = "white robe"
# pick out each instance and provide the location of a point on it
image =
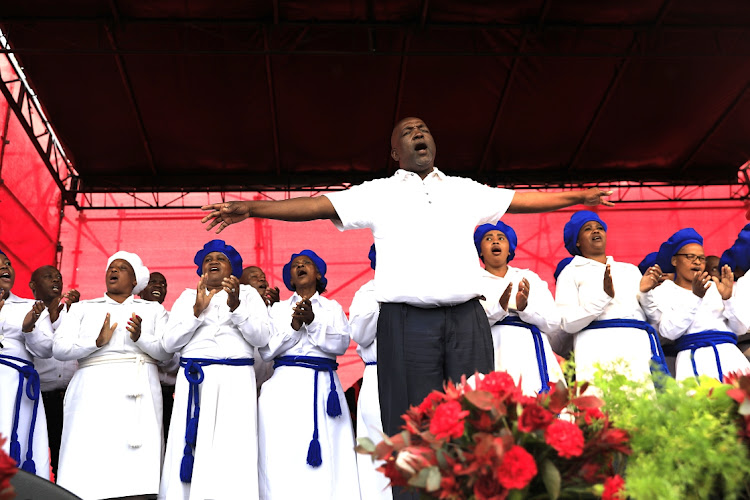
(113, 405)
(515, 351)
(581, 299)
(285, 410)
(15, 343)
(363, 319)
(226, 451)
(683, 312)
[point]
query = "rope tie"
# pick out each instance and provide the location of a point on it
(26, 372)
(541, 357)
(707, 338)
(659, 363)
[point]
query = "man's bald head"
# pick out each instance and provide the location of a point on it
(412, 146)
(46, 283)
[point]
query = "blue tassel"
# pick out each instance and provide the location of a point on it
(29, 466)
(313, 453)
(333, 407)
(15, 452)
(191, 433)
(186, 466)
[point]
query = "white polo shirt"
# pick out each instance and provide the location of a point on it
(424, 233)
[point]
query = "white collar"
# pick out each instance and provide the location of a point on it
(403, 175)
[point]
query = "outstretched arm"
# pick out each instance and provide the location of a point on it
(294, 209)
(533, 202)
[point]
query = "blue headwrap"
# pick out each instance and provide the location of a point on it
(504, 228)
(219, 246)
(672, 246)
(573, 227)
(320, 264)
(741, 250)
(648, 261)
(727, 258)
(371, 256)
(562, 265)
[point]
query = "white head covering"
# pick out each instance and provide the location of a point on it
(141, 271)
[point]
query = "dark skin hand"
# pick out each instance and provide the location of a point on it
(725, 284)
(302, 314)
(522, 297)
(652, 278)
(201, 299)
(272, 296)
(231, 285)
(30, 319)
(105, 334)
(701, 282)
(609, 288)
(505, 297)
(134, 327)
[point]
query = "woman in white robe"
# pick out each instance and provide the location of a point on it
(521, 311)
(216, 329)
(363, 319)
(22, 334)
(304, 399)
(112, 444)
(599, 300)
(699, 312)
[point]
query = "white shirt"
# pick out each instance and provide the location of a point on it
(420, 227)
(581, 297)
(217, 332)
(16, 343)
(54, 374)
(363, 319)
(79, 329)
(327, 336)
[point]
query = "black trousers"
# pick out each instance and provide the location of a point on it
(53, 408)
(419, 349)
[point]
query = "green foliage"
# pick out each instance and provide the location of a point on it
(684, 437)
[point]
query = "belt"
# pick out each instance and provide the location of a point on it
(333, 407)
(707, 338)
(541, 357)
(657, 354)
(26, 372)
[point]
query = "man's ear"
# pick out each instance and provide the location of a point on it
(32, 286)
(394, 154)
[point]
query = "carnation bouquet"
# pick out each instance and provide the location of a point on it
(486, 440)
(7, 471)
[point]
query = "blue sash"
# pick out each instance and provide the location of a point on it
(657, 354)
(707, 338)
(333, 407)
(26, 372)
(541, 357)
(194, 375)
(371, 363)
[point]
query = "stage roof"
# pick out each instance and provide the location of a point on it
(152, 96)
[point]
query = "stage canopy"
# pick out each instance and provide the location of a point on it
(235, 95)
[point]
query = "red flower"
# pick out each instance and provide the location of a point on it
(486, 488)
(565, 437)
(498, 383)
(448, 420)
(534, 417)
(517, 469)
(591, 414)
(8, 467)
(430, 401)
(614, 488)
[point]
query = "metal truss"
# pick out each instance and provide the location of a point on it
(25, 105)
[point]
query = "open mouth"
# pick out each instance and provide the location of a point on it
(156, 293)
(5, 275)
(213, 269)
(301, 272)
(496, 251)
(55, 288)
(420, 146)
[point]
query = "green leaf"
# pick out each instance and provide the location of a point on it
(433, 478)
(420, 480)
(365, 445)
(551, 478)
(481, 399)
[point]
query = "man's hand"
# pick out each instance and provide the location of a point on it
(71, 297)
(201, 299)
(224, 214)
(271, 296)
(56, 306)
(609, 287)
(30, 319)
(231, 285)
(105, 334)
(595, 196)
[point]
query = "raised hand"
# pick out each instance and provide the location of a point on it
(272, 296)
(302, 314)
(609, 287)
(652, 278)
(522, 297)
(201, 299)
(224, 214)
(105, 334)
(71, 297)
(231, 285)
(595, 196)
(56, 306)
(134, 327)
(725, 284)
(505, 297)
(701, 283)
(30, 319)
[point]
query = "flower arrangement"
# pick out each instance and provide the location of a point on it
(487, 441)
(7, 471)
